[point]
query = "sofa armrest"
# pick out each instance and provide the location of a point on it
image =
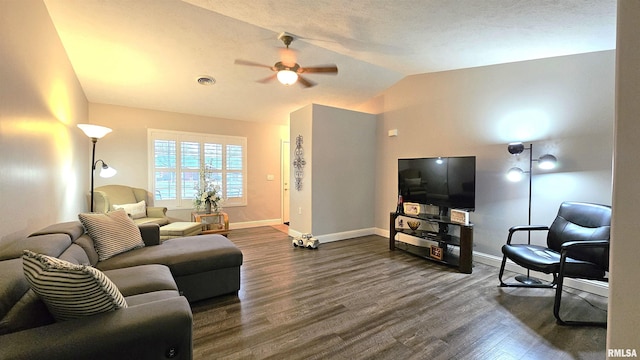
(156, 212)
(150, 234)
(156, 330)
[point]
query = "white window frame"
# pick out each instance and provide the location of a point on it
(181, 136)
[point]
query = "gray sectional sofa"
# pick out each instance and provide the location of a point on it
(157, 281)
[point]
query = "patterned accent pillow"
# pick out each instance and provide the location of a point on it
(136, 211)
(112, 233)
(70, 291)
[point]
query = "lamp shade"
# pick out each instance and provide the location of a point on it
(515, 148)
(106, 171)
(547, 162)
(287, 77)
(94, 131)
(515, 174)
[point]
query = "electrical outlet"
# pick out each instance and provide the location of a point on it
(300, 210)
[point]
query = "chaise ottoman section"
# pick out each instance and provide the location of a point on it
(180, 229)
(203, 266)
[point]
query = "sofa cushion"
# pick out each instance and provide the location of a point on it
(72, 228)
(142, 299)
(184, 256)
(86, 243)
(112, 233)
(136, 211)
(12, 287)
(48, 244)
(70, 291)
(75, 255)
(142, 279)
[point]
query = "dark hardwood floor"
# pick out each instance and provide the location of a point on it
(355, 299)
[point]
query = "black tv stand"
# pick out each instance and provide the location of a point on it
(445, 241)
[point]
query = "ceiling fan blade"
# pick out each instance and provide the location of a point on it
(326, 69)
(251, 63)
(268, 79)
(305, 82)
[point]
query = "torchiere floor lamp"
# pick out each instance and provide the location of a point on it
(96, 132)
(545, 162)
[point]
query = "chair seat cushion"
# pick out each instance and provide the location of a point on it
(542, 259)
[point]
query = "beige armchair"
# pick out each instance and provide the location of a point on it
(105, 197)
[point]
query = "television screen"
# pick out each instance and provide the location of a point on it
(447, 182)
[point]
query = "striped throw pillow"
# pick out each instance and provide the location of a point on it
(70, 291)
(112, 233)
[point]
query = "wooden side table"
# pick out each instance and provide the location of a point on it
(214, 223)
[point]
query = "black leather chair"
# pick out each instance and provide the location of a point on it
(577, 247)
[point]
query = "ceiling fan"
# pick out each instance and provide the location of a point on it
(288, 71)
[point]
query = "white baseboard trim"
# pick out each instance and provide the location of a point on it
(252, 224)
(594, 287)
(345, 235)
(326, 238)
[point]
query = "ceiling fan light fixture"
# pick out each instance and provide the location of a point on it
(287, 77)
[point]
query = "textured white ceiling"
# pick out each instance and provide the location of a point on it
(149, 53)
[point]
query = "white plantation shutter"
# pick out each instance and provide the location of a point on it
(176, 159)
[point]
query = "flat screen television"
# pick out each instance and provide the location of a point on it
(446, 182)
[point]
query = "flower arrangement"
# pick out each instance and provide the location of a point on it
(207, 195)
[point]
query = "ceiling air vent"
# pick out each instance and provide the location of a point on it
(206, 80)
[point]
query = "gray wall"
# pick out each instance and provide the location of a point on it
(337, 197)
(563, 105)
(343, 170)
(624, 298)
(45, 159)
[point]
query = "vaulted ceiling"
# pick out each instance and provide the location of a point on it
(149, 53)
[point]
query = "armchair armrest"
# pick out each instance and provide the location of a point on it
(529, 228)
(152, 330)
(156, 212)
(150, 234)
(584, 244)
(100, 201)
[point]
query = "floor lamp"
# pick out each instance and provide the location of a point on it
(96, 132)
(545, 162)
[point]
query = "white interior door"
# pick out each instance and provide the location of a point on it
(286, 180)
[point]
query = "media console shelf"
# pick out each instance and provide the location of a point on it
(454, 250)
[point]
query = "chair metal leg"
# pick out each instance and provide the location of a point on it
(520, 284)
(556, 310)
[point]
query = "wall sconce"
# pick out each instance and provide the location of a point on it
(545, 162)
(96, 132)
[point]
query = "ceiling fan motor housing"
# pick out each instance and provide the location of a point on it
(279, 66)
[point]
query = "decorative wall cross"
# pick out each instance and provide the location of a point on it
(299, 163)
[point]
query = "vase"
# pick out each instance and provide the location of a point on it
(207, 207)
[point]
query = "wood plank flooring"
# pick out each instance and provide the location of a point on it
(355, 299)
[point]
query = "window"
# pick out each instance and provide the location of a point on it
(177, 160)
